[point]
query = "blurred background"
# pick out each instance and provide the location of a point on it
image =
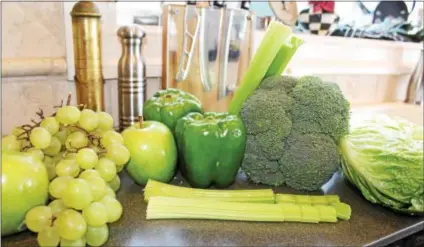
(373, 50)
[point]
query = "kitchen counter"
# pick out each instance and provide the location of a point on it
(370, 225)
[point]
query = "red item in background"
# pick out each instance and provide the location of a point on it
(322, 6)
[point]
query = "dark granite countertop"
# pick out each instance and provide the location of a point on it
(370, 225)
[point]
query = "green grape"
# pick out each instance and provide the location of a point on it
(38, 218)
(48, 237)
(77, 194)
(50, 124)
(17, 131)
(115, 183)
(86, 158)
(76, 140)
(57, 206)
(62, 135)
(54, 147)
(110, 192)
(40, 137)
(113, 207)
(105, 121)
(118, 153)
(119, 168)
(89, 173)
(70, 225)
(88, 120)
(50, 167)
(95, 214)
(70, 156)
(73, 243)
(68, 115)
(95, 148)
(58, 157)
(97, 236)
(67, 168)
(10, 144)
(58, 185)
(98, 187)
(106, 168)
(110, 137)
(36, 153)
(99, 133)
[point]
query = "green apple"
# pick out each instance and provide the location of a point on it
(24, 185)
(153, 152)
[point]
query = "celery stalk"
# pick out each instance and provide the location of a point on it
(188, 208)
(307, 199)
(327, 213)
(183, 208)
(284, 56)
(155, 188)
(343, 210)
(275, 37)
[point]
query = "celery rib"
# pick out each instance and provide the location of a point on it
(307, 199)
(187, 208)
(275, 37)
(155, 188)
(343, 210)
(284, 56)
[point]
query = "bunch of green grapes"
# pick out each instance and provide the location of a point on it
(83, 156)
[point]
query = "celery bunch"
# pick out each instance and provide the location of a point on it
(188, 208)
(167, 201)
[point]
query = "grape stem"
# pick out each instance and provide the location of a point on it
(140, 120)
(27, 128)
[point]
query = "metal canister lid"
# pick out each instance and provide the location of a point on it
(85, 9)
(131, 32)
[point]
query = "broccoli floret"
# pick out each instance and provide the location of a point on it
(309, 161)
(257, 167)
(320, 107)
(285, 83)
(271, 142)
(256, 112)
(286, 118)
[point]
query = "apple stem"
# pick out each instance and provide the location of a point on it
(140, 121)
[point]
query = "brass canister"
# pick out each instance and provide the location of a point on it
(88, 55)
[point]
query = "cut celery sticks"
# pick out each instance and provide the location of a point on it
(343, 210)
(276, 35)
(188, 208)
(306, 199)
(155, 188)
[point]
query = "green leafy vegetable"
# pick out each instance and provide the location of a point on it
(383, 157)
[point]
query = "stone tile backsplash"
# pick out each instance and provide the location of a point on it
(32, 30)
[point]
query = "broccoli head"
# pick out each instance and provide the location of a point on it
(309, 156)
(293, 126)
(320, 107)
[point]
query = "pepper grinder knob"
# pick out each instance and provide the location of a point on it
(131, 75)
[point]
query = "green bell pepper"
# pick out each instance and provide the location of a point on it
(210, 148)
(169, 105)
